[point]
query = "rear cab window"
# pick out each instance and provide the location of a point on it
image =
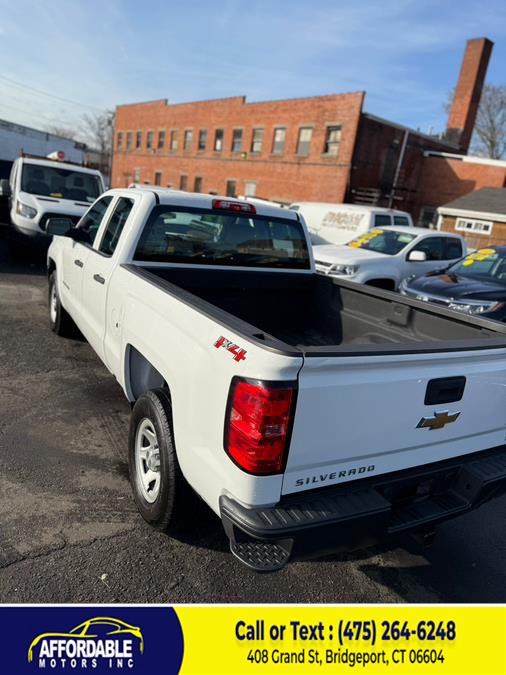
(207, 237)
(402, 220)
(453, 248)
(382, 220)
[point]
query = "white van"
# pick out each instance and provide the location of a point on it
(39, 189)
(340, 223)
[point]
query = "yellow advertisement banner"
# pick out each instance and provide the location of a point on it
(398, 639)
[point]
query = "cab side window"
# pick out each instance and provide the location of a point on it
(433, 248)
(91, 220)
(115, 225)
(401, 220)
(382, 220)
(453, 248)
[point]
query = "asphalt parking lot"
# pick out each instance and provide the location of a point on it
(70, 532)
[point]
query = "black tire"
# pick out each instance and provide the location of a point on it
(166, 513)
(60, 321)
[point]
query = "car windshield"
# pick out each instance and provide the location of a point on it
(53, 181)
(388, 242)
(207, 237)
(487, 264)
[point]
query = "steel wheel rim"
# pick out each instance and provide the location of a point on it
(53, 304)
(147, 460)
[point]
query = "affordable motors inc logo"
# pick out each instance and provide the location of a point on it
(98, 643)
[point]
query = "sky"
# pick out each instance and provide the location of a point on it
(61, 59)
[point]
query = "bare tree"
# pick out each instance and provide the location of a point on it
(97, 131)
(64, 132)
(489, 137)
(490, 129)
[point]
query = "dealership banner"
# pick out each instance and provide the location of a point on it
(239, 639)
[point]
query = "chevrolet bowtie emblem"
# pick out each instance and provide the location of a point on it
(437, 421)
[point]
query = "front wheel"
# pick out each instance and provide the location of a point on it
(158, 485)
(60, 320)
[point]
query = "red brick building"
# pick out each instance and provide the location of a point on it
(446, 177)
(323, 148)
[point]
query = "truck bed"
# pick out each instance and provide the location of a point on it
(318, 315)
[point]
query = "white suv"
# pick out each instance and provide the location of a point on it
(384, 257)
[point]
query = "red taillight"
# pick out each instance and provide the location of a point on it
(258, 424)
(239, 207)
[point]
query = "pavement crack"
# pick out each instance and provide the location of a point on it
(60, 547)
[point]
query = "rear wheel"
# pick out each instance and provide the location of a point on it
(60, 320)
(159, 488)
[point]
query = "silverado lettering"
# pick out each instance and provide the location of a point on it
(332, 476)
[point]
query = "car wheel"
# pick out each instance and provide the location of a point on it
(60, 320)
(159, 488)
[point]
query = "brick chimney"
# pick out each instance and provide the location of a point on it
(468, 92)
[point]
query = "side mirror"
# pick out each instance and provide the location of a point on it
(5, 188)
(417, 256)
(59, 226)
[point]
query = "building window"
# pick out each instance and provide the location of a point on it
(137, 175)
(471, 225)
(202, 139)
(138, 139)
(149, 139)
(231, 188)
(236, 140)
(161, 140)
(278, 145)
(158, 177)
(332, 141)
(173, 140)
(218, 140)
(129, 138)
(197, 185)
(304, 142)
(183, 182)
(188, 138)
(256, 140)
(250, 188)
(119, 145)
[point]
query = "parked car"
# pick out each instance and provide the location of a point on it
(307, 411)
(383, 257)
(475, 285)
(39, 189)
(340, 223)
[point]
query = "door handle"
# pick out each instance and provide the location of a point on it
(78, 262)
(99, 278)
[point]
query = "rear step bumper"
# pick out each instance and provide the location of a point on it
(362, 512)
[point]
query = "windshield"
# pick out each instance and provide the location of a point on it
(488, 264)
(52, 181)
(389, 242)
(205, 237)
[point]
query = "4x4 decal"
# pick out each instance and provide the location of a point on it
(238, 352)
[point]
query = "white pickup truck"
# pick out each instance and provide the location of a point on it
(308, 412)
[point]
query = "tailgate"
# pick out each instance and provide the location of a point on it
(358, 417)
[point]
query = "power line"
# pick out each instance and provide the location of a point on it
(31, 114)
(40, 92)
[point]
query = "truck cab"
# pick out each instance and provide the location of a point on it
(43, 188)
